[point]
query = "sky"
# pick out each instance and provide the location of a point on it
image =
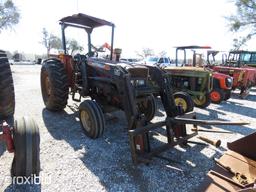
(156, 24)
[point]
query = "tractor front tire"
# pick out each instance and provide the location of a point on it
(54, 85)
(26, 139)
(148, 108)
(227, 95)
(184, 100)
(203, 101)
(91, 119)
(217, 96)
(7, 96)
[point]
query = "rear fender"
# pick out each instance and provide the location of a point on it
(68, 62)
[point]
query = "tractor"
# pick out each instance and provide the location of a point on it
(236, 65)
(104, 84)
(202, 84)
(22, 138)
(241, 58)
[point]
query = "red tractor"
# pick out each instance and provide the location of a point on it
(244, 77)
(222, 83)
(22, 139)
(104, 84)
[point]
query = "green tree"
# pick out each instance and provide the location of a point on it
(50, 41)
(243, 21)
(73, 45)
(9, 15)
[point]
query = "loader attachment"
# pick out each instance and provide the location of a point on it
(235, 170)
(175, 125)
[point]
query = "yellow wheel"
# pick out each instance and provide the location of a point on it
(181, 102)
(202, 101)
(184, 100)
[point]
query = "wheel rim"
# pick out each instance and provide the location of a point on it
(181, 102)
(200, 100)
(86, 120)
(215, 96)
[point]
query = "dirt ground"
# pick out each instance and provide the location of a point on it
(70, 161)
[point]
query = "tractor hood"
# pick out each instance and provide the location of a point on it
(194, 71)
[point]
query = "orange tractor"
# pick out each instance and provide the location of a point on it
(236, 66)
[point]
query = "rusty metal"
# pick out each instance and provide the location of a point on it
(229, 179)
(6, 136)
(235, 170)
(245, 146)
(176, 133)
(241, 178)
(216, 143)
(211, 130)
(179, 119)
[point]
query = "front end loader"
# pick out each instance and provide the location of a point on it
(105, 84)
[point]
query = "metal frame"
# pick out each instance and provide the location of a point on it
(88, 26)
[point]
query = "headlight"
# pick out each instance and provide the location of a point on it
(229, 82)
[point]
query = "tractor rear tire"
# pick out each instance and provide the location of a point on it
(7, 96)
(202, 102)
(148, 108)
(91, 119)
(184, 100)
(26, 139)
(54, 85)
(217, 96)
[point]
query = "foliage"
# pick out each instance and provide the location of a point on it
(9, 15)
(50, 41)
(145, 52)
(243, 20)
(72, 46)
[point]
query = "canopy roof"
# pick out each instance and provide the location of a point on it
(193, 47)
(85, 21)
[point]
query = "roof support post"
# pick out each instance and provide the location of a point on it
(64, 47)
(112, 42)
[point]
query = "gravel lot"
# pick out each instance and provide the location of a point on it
(72, 162)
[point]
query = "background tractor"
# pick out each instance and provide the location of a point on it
(22, 138)
(244, 76)
(197, 82)
(202, 84)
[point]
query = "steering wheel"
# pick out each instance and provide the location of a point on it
(80, 58)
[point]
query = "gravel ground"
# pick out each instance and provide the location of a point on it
(72, 162)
